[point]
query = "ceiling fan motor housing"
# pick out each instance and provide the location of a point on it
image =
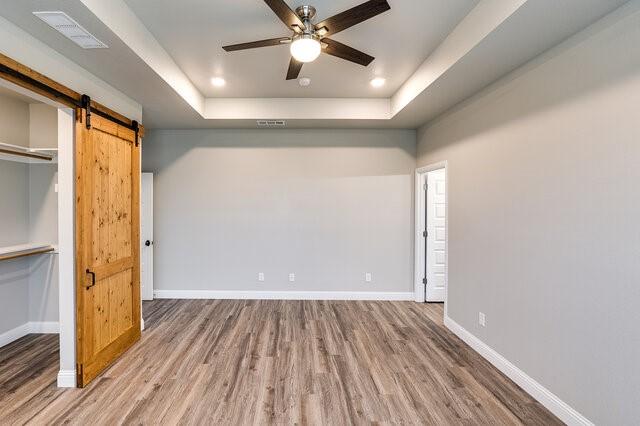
(306, 12)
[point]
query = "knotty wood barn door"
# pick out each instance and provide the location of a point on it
(107, 243)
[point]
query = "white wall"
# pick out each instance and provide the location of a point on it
(325, 205)
(544, 168)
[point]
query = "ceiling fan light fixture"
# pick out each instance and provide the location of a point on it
(305, 48)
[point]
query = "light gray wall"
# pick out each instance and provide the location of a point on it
(14, 229)
(43, 126)
(14, 121)
(43, 227)
(544, 214)
(14, 215)
(14, 208)
(327, 205)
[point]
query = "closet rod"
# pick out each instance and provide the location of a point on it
(25, 154)
(26, 253)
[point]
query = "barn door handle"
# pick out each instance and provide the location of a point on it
(93, 278)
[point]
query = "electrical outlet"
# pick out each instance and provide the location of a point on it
(260, 276)
(482, 319)
(292, 277)
(367, 277)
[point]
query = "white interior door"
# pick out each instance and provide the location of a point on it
(436, 236)
(146, 236)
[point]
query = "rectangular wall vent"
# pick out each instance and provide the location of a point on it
(271, 123)
(69, 28)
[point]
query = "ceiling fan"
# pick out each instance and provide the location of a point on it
(309, 40)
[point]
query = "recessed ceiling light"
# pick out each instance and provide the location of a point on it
(378, 82)
(218, 81)
(304, 81)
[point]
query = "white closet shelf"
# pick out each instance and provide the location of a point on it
(13, 252)
(23, 154)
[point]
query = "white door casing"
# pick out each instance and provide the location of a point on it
(146, 236)
(436, 236)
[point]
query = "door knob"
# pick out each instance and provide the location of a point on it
(147, 243)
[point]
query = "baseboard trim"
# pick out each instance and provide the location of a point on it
(44, 327)
(67, 379)
(547, 398)
(40, 327)
(14, 334)
(283, 295)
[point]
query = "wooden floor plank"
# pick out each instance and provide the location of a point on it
(273, 362)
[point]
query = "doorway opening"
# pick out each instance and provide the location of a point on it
(37, 231)
(431, 234)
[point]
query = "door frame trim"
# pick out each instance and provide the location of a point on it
(142, 237)
(419, 226)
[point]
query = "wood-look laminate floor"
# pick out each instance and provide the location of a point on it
(280, 362)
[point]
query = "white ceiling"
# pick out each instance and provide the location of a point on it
(400, 40)
(179, 44)
(535, 28)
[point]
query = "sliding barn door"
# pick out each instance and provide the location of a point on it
(107, 239)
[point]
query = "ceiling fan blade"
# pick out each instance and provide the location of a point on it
(345, 52)
(260, 43)
(353, 16)
(286, 15)
(294, 69)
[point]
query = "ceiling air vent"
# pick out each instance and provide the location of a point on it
(69, 28)
(271, 123)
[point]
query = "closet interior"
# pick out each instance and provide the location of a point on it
(28, 216)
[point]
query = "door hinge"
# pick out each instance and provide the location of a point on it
(425, 187)
(425, 234)
(424, 281)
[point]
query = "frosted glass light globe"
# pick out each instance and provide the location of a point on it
(305, 49)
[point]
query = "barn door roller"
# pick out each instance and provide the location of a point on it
(86, 104)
